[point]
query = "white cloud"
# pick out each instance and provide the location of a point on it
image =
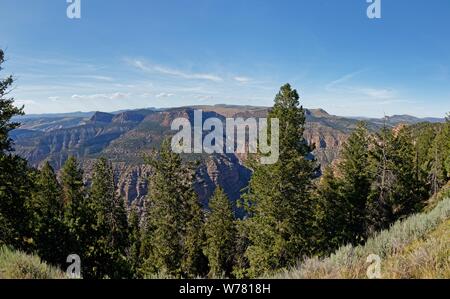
(164, 95)
(204, 97)
(24, 102)
(54, 99)
(174, 72)
(242, 79)
(335, 83)
(99, 78)
(101, 96)
(377, 93)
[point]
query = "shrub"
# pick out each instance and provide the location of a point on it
(18, 265)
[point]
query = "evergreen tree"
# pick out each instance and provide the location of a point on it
(173, 218)
(240, 261)
(7, 111)
(355, 186)
(194, 262)
(278, 200)
(447, 145)
(49, 231)
(331, 214)
(397, 190)
(409, 189)
(111, 228)
(15, 186)
(382, 195)
(15, 180)
(220, 235)
(422, 137)
(437, 160)
(78, 215)
(134, 257)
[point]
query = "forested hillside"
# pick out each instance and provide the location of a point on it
(383, 175)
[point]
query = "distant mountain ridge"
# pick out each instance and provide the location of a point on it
(317, 112)
(125, 136)
(406, 119)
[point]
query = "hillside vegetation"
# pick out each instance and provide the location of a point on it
(18, 265)
(417, 247)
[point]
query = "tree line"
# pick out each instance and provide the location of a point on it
(290, 213)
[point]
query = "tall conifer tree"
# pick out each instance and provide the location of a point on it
(15, 181)
(220, 235)
(49, 230)
(278, 201)
(173, 218)
(111, 227)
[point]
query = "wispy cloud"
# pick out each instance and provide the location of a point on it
(241, 79)
(24, 102)
(143, 66)
(343, 85)
(164, 95)
(202, 97)
(100, 96)
(95, 77)
(335, 83)
(380, 93)
(54, 98)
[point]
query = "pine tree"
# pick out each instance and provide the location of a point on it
(355, 185)
(220, 235)
(240, 261)
(134, 256)
(15, 186)
(78, 215)
(173, 219)
(15, 179)
(437, 161)
(111, 227)
(409, 189)
(382, 196)
(49, 231)
(447, 145)
(331, 214)
(7, 111)
(422, 138)
(194, 262)
(278, 200)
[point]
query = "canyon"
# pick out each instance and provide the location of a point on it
(125, 137)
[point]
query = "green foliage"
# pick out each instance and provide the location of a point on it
(382, 196)
(351, 262)
(355, 185)
(396, 190)
(18, 265)
(194, 262)
(15, 181)
(15, 186)
(331, 213)
(220, 233)
(7, 111)
(78, 216)
(278, 200)
(380, 179)
(48, 227)
(108, 251)
(135, 239)
(173, 221)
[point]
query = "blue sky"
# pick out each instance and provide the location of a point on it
(140, 53)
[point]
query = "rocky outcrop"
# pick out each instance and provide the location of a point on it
(102, 117)
(125, 137)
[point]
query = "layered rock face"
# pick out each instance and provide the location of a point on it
(126, 137)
